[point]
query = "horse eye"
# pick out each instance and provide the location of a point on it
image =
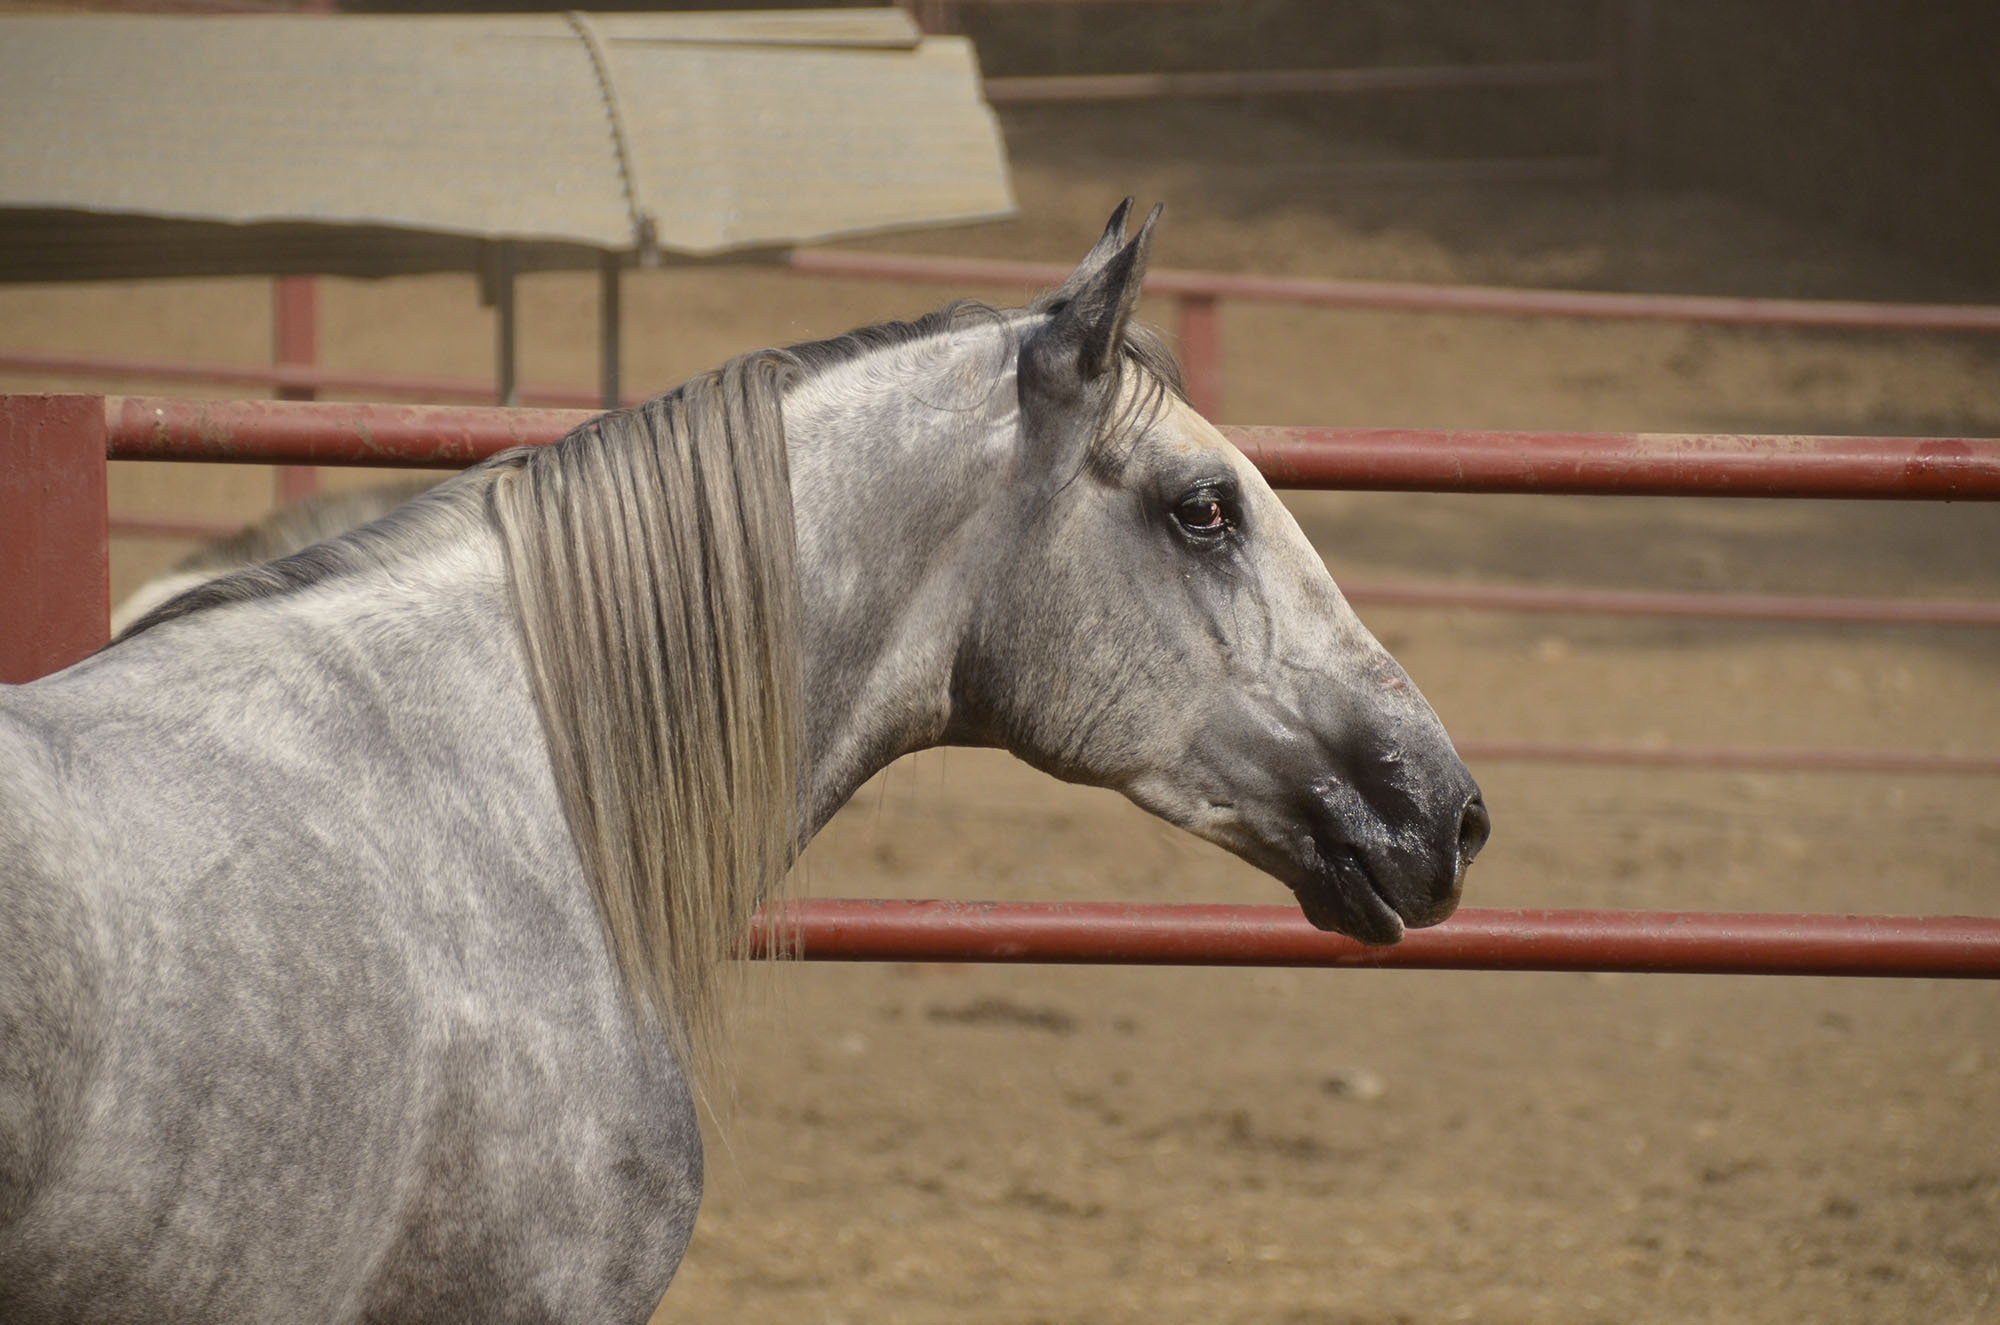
(1203, 514)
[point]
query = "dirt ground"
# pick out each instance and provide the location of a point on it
(925, 1143)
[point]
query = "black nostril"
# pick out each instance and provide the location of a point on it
(1474, 826)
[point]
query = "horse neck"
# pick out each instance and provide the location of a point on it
(425, 630)
(435, 609)
(887, 485)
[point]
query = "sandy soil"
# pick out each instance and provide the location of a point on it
(920, 1143)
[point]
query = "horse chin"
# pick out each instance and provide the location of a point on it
(1338, 895)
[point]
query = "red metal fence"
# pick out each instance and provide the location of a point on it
(294, 433)
(1132, 934)
(1378, 459)
(1197, 296)
(53, 560)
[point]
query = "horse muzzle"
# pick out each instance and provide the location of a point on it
(1371, 879)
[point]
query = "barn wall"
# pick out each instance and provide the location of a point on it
(1882, 118)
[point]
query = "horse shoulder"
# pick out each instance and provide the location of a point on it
(609, 1158)
(465, 1063)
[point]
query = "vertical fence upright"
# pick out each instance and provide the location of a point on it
(295, 344)
(55, 577)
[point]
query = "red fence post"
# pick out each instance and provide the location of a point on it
(295, 344)
(1200, 330)
(55, 577)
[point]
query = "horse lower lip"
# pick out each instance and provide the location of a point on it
(1348, 900)
(1390, 921)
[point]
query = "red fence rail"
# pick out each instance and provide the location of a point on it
(53, 450)
(1382, 459)
(1630, 464)
(1716, 756)
(288, 432)
(283, 377)
(1420, 297)
(1197, 296)
(1131, 934)
(1706, 604)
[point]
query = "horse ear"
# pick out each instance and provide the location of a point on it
(1102, 252)
(1088, 326)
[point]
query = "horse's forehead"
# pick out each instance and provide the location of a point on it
(1178, 432)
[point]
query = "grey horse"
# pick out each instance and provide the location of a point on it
(362, 913)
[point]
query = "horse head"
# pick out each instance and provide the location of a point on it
(1156, 622)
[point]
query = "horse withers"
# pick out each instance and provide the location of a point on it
(280, 533)
(362, 911)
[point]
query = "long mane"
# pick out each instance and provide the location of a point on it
(650, 555)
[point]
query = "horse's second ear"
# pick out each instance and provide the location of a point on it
(1102, 252)
(1088, 329)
